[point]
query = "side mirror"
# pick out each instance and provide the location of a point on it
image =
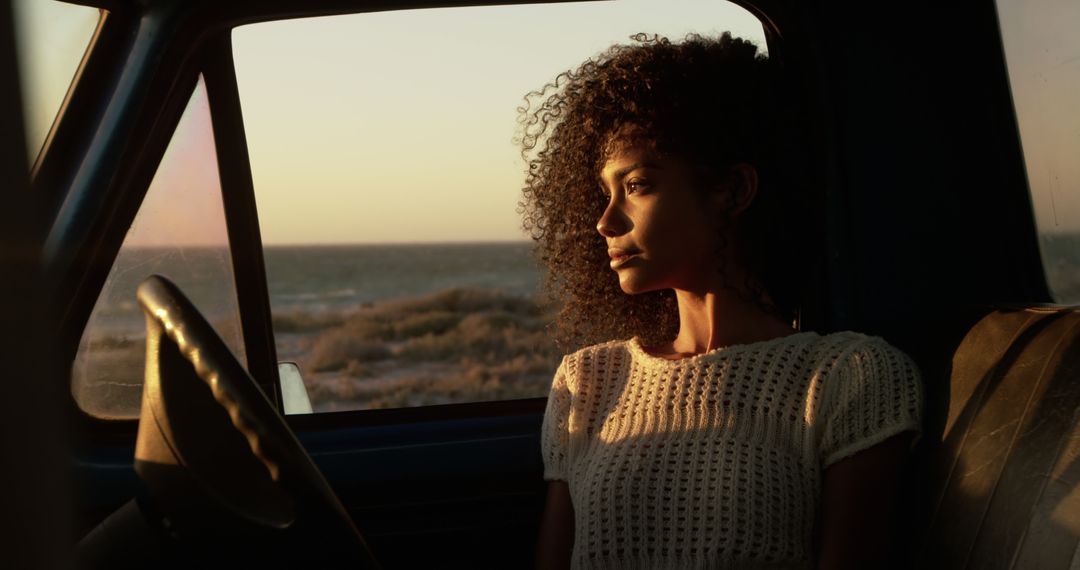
(293, 391)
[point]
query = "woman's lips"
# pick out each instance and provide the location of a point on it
(620, 257)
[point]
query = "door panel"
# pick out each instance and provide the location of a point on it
(460, 493)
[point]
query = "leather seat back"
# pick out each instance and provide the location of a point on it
(1004, 484)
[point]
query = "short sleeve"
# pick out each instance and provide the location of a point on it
(555, 432)
(874, 392)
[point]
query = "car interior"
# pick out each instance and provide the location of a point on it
(927, 228)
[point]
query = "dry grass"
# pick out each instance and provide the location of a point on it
(339, 348)
(300, 321)
(458, 345)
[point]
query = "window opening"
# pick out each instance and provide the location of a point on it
(387, 185)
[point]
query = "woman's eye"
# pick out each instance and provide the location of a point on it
(637, 185)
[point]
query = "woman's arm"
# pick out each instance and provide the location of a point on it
(556, 540)
(858, 505)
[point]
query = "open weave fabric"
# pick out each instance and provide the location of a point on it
(715, 461)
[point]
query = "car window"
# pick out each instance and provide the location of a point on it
(387, 185)
(51, 38)
(1042, 52)
(179, 232)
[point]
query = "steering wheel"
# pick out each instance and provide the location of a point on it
(218, 460)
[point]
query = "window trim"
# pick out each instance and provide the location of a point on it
(416, 414)
(241, 216)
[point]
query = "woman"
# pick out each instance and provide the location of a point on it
(710, 433)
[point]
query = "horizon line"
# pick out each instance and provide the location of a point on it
(366, 243)
(334, 244)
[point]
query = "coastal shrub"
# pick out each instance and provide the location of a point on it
(437, 313)
(433, 322)
(357, 369)
(302, 321)
(422, 384)
(474, 384)
(521, 367)
(454, 301)
(487, 323)
(335, 349)
(431, 347)
(457, 345)
(363, 326)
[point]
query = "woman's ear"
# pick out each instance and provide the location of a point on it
(739, 188)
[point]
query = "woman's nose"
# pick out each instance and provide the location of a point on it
(613, 222)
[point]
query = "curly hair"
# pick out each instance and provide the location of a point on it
(711, 101)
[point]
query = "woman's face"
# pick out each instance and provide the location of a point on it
(661, 232)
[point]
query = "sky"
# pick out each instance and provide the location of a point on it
(380, 127)
(398, 126)
(183, 204)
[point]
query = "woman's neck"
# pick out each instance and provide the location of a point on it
(714, 319)
(717, 316)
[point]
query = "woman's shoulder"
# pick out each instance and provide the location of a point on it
(595, 360)
(860, 354)
(601, 351)
(844, 343)
(852, 352)
(872, 391)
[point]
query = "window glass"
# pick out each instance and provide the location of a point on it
(1042, 51)
(180, 233)
(387, 185)
(51, 38)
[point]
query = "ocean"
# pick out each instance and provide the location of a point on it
(319, 278)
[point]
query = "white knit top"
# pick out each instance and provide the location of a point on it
(715, 461)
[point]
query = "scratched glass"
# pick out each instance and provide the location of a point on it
(180, 233)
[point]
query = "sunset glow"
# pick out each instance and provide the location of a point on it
(398, 126)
